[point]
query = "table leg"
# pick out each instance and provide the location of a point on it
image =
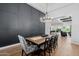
(38, 50)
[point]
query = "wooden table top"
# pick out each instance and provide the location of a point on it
(37, 39)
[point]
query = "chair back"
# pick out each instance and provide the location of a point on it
(56, 37)
(51, 40)
(56, 40)
(22, 42)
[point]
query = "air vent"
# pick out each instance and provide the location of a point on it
(66, 19)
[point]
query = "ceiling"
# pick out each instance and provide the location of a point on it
(49, 6)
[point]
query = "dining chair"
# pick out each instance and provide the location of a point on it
(50, 44)
(47, 46)
(27, 49)
(55, 42)
(44, 46)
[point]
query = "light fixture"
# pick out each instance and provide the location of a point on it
(46, 17)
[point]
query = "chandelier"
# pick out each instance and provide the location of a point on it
(46, 17)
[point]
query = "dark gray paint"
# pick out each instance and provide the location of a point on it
(19, 19)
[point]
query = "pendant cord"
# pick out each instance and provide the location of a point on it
(46, 9)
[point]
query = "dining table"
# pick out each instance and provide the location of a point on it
(37, 40)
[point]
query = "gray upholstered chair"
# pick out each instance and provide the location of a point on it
(28, 49)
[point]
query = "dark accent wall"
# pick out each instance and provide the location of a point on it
(19, 19)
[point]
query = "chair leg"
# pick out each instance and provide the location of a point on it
(26, 54)
(22, 53)
(51, 49)
(49, 52)
(44, 53)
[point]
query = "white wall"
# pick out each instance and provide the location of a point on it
(72, 11)
(47, 27)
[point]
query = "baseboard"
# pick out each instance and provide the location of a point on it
(75, 42)
(6, 47)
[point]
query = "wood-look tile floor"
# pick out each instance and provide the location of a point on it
(65, 48)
